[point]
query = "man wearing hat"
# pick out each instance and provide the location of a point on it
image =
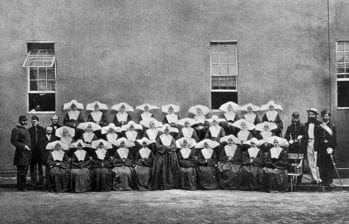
(310, 129)
(20, 138)
(325, 144)
(37, 136)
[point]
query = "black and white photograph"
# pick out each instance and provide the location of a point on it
(174, 111)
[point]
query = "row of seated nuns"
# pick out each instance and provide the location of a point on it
(189, 153)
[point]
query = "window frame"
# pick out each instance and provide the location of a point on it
(345, 79)
(236, 90)
(40, 91)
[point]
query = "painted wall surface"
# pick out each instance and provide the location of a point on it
(158, 52)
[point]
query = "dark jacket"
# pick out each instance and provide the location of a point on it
(20, 138)
(292, 133)
(37, 137)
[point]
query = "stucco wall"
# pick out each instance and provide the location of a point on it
(158, 52)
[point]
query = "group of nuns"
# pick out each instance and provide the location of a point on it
(232, 149)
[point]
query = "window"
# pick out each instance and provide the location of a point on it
(40, 63)
(342, 70)
(223, 72)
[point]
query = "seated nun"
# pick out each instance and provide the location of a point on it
(146, 114)
(122, 115)
(245, 129)
(251, 115)
(229, 164)
(276, 164)
(102, 165)
(215, 132)
(123, 166)
(73, 115)
(89, 129)
(265, 130)
(165, 168)
(272, 115)
(80, 173)
(253, 176)
(144, 164)
(187, 164)
(201, 125)
(132, 131)
(152, 131)
(96, 113)
(230, 114)
(110, 134)
(187, 131)
(65, 134)
(171, 114)
(207, 164)
(57, 167)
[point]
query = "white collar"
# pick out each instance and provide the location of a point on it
(121, 116)
(101, 152)
(185, 152)
(152, 133)
(88, 136)
(250, 117)
(253, 152)
(230, 150)
(123, 152)
(187, 132)
(73, 114)
(271, 115)
(80, 154)
(275, 152)
(230, 116)
(214, 131)
(207, 153)
(172, 118)
(57, 155)
(96, 116)
(166, 140)
(243, 135)
(144, 152)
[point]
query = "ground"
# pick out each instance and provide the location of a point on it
(174, 206)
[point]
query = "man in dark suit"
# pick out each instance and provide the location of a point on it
(295, 135)
(55, 123)
(325, 144)
(20, 138)
(37, 135)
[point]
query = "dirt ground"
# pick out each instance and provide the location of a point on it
(174, 206)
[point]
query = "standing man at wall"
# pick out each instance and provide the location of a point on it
(310, 128)
(325, 144)
(20, 138)
(55, 123)
(37, 136)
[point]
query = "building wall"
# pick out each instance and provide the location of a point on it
(158, 52)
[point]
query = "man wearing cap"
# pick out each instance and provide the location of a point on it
(310, 128)
(294, 135)
(55, 123)
(20, 138)
(325, 144)
(37, 136)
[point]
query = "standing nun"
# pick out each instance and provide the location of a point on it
(252, 174)
(272, 115)
(201, 125)
(146, 114)
(89, 129)
(132, 132)
(102, 165)
(122, 115)
(152, 131)
(57, 167)
(171, 116)
(65, 134)
(207, 165)
(245, 127)
(123, 166)
(96, 115)
(276, 162)
(230, 114)
(80, 174)
(144, 164)
(187, 131)
(265, 130)
(165, 169)
(73, 116)
(110, 134)
(251, 115)
(230, 163)
(215, 132)
(187, 164)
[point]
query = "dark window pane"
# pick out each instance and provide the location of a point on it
(343, 93)
(50, 85)
(33, 85)
(340, 67)
(50, 73)
(42, 102)
(219, 98)
(42, 85)
(33, 73)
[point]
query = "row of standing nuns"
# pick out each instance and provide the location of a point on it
(232, 112)
(166, 163)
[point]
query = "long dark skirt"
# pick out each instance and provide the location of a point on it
(80, 180)
(165, 171)
(58, 179)
(207, 177)
(230, 176)
(253, 178)
(122, 180)
(276, 179)
(187, 178)
(102, 179)
(142, 177)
